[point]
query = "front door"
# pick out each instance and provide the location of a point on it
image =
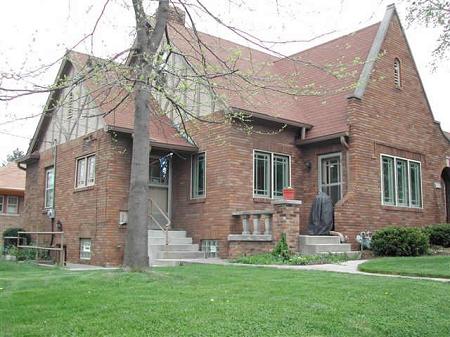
(159, 179)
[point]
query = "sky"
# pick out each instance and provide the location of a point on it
(37, 34)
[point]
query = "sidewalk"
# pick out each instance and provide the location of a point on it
(348, 267)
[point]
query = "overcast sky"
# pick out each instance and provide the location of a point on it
(36, 33)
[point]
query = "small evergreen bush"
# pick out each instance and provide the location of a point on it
(439, 234)
(281, 250)
(400, 241)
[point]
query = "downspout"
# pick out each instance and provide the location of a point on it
(52, 220)
(347, 160)
(342, 237)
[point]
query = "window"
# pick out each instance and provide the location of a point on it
(49, 187)
(198, 176)
(330, 176)
(271, 173)
(85, 175)
(401, 182)
(159, 171)
(1, 203)
(12, 205)
(210, 247)
(85, 249)
(397, 74)
(70, 106)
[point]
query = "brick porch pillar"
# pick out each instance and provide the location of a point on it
(286, 219)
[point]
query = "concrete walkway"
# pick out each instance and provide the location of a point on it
(86, 267)
(348, 267)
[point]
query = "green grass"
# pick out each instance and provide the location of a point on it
(427, 266)
(268, 258)
(201, 300)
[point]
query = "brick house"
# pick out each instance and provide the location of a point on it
(12, 190)
(364, 133)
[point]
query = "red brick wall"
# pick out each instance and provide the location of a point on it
(11, 220)
(91, 212)
(397, 122)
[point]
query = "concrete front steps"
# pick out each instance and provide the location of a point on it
(323, 244)
(180, 247)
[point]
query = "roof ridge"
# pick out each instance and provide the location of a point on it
(330, 41)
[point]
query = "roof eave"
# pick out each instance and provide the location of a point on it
(155, 144)
(373, 53)
(269, 118)
(322, 139)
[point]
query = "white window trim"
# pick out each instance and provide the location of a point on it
(395, 182)
(86, 183)
(319, 176)
(272, 180)
(46, 189)
(191, 190)
(90, 249)
(7, 204)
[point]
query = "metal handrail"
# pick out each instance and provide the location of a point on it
(166, 227)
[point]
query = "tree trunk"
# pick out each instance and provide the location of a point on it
(147, 43)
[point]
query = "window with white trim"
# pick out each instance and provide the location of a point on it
(330, 176)
(401, 182)
(85, 173)
(12, 206)
(198, 179)
(85, 249)
(49, 187)
(271, 173)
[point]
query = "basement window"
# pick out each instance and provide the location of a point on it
(210, 247)
(85, 249)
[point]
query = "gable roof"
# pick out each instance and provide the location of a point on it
(116, 105)
(309, 88)
(12, 179)
(447, 134)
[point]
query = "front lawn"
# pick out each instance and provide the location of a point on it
(205, 300)
(427, 266)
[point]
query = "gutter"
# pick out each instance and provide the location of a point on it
(269, 118)
(158, 145)
(340, 137)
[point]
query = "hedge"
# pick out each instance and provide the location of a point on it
(400, 241)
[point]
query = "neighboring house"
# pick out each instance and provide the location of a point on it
(365, 135)
(12, 189)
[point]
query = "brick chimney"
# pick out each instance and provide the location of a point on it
(177, 15)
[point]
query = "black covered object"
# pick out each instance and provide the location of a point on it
(321, 216)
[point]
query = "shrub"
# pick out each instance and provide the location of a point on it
(439, 234)
(281, 250)
(12, 232)
(400, 241)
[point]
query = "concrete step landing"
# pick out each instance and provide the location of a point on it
(319, 244)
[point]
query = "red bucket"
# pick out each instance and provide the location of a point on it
(288, 193)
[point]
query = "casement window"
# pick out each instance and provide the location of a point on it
(12, 205)
(49, 187)
(85, 174)
(401, 182)
(397, 73)
(330, 176)
(271, 173)
(198, 179)
(85, 249)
